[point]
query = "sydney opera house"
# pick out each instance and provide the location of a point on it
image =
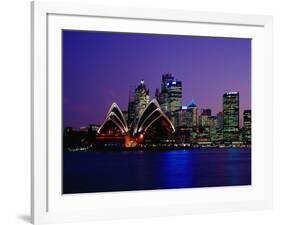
(164, 122)
(152, 127)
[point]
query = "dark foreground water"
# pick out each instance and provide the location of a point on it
(137, 170)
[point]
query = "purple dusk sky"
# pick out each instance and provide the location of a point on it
(100, 68)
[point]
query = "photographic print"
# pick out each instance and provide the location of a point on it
(154, 111)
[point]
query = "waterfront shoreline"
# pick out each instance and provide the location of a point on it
(158, 149)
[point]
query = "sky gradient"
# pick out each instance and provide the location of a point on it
(100, 68)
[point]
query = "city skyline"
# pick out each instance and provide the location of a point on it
(86, 59)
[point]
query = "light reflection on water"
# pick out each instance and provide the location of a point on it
(140, 170)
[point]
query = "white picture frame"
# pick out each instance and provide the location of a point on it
(47, 203)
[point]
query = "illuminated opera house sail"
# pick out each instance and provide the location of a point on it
(152, 125)
(114, 123)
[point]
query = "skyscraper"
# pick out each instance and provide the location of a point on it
(231, 116)
(187, 120)
(174, 96)
(170, 98)
(141, 99)
(131, 112)
(192, 107)
(204, 117)
(247, 126)
(163, 97)
(213, 128)
(247, 119)
(157, 94)
(184, 118)
(131, 106)
(220, 120)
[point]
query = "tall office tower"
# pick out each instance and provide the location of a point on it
(247, 119)
(247, 125)
(174, 96)
(184, 117)
(204, 117)
(131, 106)
(192, 107)
(166, 78)
(220, 120)
(231, 116)
(170, 98)
(163, 97)
(141, 99)
(213, 124)
(157, 94)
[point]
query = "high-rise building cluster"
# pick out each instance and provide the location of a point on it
(141, 99)
(191, 123)
(164, 121)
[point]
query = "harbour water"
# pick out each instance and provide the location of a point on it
(89, 171)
